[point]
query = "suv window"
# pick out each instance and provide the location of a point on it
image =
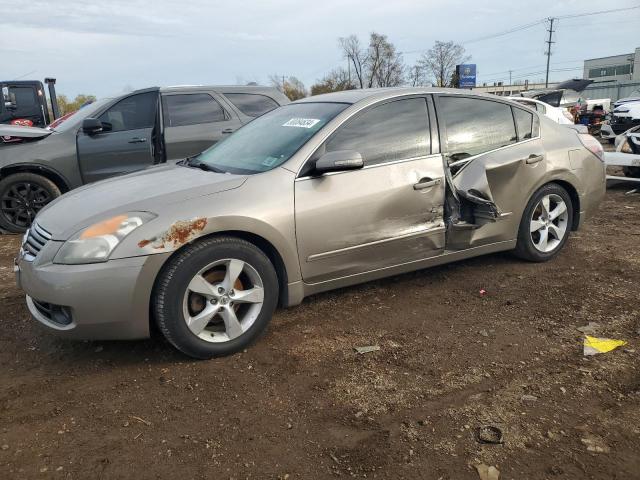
(251, 104)
(191, 109)
(393, 131)
(132, 113)
(475, 125)
(524, 123)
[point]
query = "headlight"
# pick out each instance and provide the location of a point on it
(95, 243)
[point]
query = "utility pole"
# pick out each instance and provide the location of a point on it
(510, 77)
(283, 88)
(549, 42)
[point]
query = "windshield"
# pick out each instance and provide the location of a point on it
(69, 121)
(270, 140)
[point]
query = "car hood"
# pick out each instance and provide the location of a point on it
(148, 190)
(23, 132)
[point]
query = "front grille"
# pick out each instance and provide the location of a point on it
(36, 238)
(55, 313)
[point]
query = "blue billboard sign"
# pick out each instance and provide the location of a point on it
(467, 75)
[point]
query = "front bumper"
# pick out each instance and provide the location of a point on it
(102, 301)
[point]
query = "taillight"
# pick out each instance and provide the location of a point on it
(592, 144)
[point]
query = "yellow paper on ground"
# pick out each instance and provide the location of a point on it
(595, 345)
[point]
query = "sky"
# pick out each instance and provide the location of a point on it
(108, 47)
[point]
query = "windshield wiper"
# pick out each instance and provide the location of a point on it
(195, 163)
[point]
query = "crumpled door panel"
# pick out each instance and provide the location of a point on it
(493, 190)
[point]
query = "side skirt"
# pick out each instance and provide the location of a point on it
(299, 290)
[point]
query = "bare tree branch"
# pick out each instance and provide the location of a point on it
(441, 60)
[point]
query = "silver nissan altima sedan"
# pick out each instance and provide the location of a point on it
(326, 192)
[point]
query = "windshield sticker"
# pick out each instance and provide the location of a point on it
(301, 122)
(269, 161)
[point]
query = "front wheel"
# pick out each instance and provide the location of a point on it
(215, 297)
(22, 196)
(545, 224)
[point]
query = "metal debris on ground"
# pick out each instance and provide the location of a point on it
(489, 434)
(595, 345)
(529, 398)
(367, 349)
(486, 472)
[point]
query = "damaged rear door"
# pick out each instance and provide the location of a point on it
(495, 160)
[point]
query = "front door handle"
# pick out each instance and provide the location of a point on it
(137, 140)
(228, 130)
(533, 158)
(426, 183)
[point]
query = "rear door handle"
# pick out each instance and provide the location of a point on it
(137, 140)
(533, 158)
(426, 183)
(228, 130)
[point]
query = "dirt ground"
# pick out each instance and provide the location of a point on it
(302, 404)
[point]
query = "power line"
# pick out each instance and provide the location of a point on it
(598, 13)
(530, 25)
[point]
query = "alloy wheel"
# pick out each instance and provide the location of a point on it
(22, 201)
(223, 300)
(549, 222)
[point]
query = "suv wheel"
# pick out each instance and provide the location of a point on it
(215, 297)
(22, 196)
(545, 224)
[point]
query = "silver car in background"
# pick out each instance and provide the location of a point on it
(326, 192)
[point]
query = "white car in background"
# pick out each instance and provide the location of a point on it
(625, 115)
(557, 114)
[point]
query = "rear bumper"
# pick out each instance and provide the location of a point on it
(102, 301)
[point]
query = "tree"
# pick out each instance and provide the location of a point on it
(65, 106)
(378, 65)
(441, 60)
(334, 81)
(293, 88)
(356, 56)
(416, 76)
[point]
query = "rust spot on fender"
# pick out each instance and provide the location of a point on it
(178, 234)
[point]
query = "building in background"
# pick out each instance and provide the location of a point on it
(502, 90)
(620, 68)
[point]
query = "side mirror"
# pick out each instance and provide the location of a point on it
(92, 126)
(339, 161)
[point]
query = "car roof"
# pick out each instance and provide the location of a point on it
(220, 88)
(354, 96)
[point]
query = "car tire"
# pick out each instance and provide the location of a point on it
(631, 172)
(538, 223)
(198, 318)
(22, 196)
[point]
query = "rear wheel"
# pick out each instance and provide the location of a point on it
(545, 224)
(22, 196)
(215, 297)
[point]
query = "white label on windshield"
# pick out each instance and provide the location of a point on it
(301, 122)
